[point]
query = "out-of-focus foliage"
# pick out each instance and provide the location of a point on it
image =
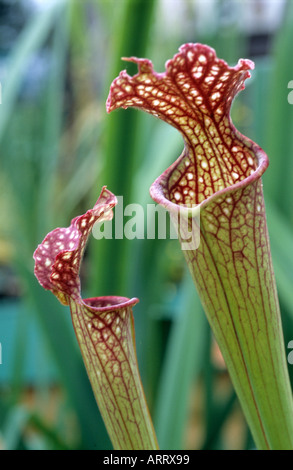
(58, 147)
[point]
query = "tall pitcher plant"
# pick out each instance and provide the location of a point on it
(219, 172)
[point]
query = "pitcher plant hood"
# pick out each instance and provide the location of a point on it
(219, 171)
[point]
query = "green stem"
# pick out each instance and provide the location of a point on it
(132, 38)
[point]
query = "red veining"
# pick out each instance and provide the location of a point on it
(194, 95)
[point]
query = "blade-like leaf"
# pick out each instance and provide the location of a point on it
(185, 347)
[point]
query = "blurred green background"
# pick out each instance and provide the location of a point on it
(58, 147)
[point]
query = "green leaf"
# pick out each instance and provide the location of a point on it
(29, 42)
(181, 369)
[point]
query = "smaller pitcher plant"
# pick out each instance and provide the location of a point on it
(104, 329)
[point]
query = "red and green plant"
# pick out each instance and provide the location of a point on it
(104, 329)
(219, 172)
